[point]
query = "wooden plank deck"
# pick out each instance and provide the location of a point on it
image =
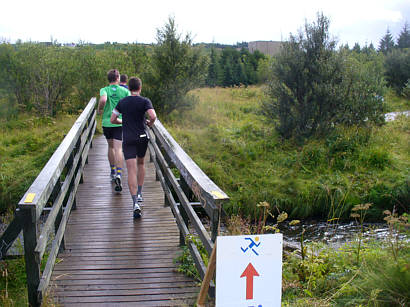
(111, 259)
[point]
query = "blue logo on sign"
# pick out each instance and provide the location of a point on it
(252, 245)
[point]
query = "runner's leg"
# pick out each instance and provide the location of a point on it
(140, 173)
(132, 184)
(111, 152)
(132, 175)
(117, 149)
(111, 158)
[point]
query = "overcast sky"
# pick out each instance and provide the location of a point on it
(222, 21)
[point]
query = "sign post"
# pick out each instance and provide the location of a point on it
(207, 278)
(249, 271)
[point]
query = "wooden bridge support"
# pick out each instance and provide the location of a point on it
(29, 220)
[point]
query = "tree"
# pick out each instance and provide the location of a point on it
(138, 61)
(39, 75)
(14, 72)
(239, 67)
(213, 69)
(397, 66)
(177, 68)
(404, 38)
(313, 88)
(368, 49)
(356, 48)
(228, 62)
(9, 105)
(51, 77)
(90, 74)
(263, 70)
(386, 43)
(251, 62)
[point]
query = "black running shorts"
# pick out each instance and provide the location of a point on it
(113, 133)
(135, 148)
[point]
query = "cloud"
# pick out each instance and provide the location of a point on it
(224, 21)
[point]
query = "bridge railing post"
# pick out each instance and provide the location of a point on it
(192, 192)
(187, 191)
(215, 221)
(29, 221)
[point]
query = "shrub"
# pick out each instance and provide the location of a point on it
(376, 158)
(406, 90)
(314, 88)
(397, 66)
(177, 69)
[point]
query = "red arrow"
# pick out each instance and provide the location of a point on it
(249, 273)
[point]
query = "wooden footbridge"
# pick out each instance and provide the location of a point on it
(88, 250)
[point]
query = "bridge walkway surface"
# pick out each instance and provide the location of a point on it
(110, 259)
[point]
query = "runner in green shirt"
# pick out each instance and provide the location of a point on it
(109, 97)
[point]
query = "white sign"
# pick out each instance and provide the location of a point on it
(249, 271)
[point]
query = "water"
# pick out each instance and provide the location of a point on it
(335, 235)
(392, 115)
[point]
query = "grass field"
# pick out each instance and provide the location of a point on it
(229, 139)
(26, 144)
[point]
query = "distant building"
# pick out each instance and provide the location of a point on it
(266, 47)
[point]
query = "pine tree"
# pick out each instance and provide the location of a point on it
(213, 68)
(404, 38)
(356, 48)
(314, 88)
(386, 43)
(368, 49)
(177, 69)
(397, 65)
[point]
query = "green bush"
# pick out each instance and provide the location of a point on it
(406, 90)
(335, 278)
(385, 282)
(377, 158)
(177, 68)
(314, 88)
(397, 65)
(313, 154)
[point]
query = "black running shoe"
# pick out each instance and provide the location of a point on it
(118, 187)
(137, 211)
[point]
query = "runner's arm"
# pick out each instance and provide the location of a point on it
(101, 104)
(152, 117)
(114, 117)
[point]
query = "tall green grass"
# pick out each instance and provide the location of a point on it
(396, 103)
(26, 144)
(229, 139)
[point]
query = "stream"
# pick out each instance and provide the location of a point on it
(392, 115)
(335, 235)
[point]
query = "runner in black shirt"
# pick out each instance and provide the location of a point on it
(135, 138)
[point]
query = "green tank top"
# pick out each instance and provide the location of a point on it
(114, 94)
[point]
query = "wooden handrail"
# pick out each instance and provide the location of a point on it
(167, 154)
(207, 192)
(49, 187)
(43, 185)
